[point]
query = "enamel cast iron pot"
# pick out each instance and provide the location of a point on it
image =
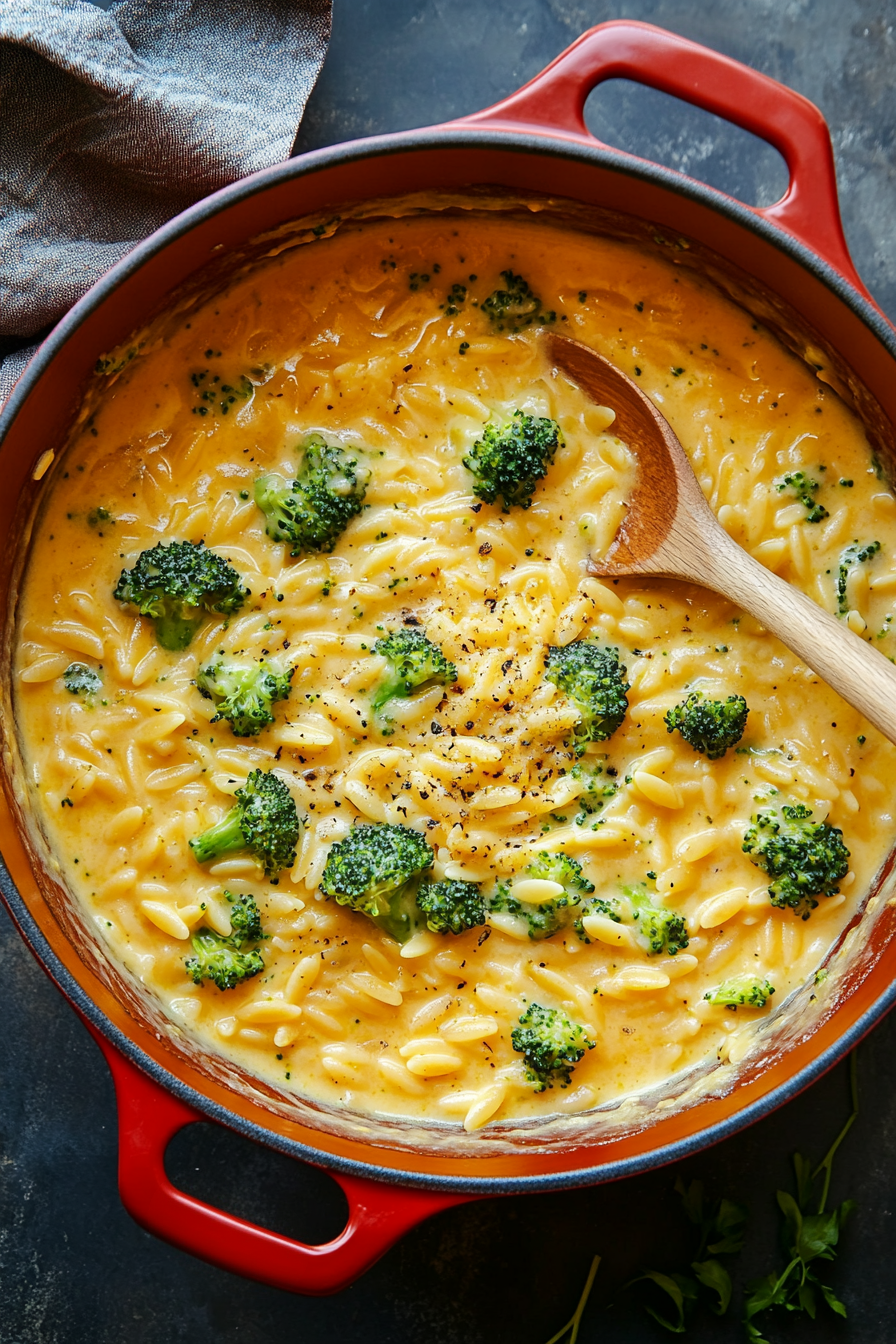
(791, 263)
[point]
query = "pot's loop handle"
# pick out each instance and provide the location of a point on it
(148, 1119)
(554, 102)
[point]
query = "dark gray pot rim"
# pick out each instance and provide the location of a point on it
(435, 138)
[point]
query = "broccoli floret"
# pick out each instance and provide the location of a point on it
(99, 515)
(663, 931)
(741, 991)
(243, 695)
(709, 726)
(451, 906)
(79, 679)
(176, 585)
(515, 306)
(852, 556)
(227, 961)
(509, 460)
(522, 918)
(544, 919)
(599, 906)
(245, 920)
(265, 822)
(375, 870)
(551, 1045)
(217, 960)
(311, 512)
(414, 663)
(594, 679)
(660, 930)
(804, 858)
(596, 794)
(805, 490)
(561, 868)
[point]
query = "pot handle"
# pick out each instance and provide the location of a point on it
(148, 1119)
(554, 101)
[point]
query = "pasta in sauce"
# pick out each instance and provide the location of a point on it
(380, 339)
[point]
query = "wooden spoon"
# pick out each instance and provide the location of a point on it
(670, 530)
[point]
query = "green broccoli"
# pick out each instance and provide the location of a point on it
(596, 794)
(594, 679)
(176, 585)
(544, 919)
(265, 822)
(561, 868)
(451, 906)
(804, 858)
(709, 726)
(515, 306)
(853, 555)
(805, 489)
(524, 918)
(311, 512)
(218, 960)
(245, 921)
(551, 1045)
(227, 961)
(659, 930)
(375, 870)
(243, 695)
(414, 663)
(510, 459)
(79, 679)
(741, 991)
(599, 906)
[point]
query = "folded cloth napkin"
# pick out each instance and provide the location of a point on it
(112, 122)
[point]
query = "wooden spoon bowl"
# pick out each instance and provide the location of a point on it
(670, 531)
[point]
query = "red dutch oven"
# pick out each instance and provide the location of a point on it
(535, 141)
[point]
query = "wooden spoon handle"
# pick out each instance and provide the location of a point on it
(858, 672)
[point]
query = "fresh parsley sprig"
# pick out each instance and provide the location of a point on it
(810, 1234)
(808, 1237)
(721, 1227)
(575, 1320)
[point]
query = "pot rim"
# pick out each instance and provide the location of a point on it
(451, 136)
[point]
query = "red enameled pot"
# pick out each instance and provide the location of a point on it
(534, 142)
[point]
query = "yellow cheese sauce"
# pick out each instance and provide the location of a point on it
(361, 338)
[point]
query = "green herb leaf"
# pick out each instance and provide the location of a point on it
(768, 1292)
(806, 1299)
(682, 1291)
(691, 1199)
(716, 1278)
(728, 1228)
(818, 1236)
(792, 1216)
(832, 1300)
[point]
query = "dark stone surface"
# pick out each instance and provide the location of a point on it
(73, 1267)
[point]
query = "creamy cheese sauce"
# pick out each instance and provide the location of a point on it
(360, 337)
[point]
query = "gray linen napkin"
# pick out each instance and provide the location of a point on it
(112, 122)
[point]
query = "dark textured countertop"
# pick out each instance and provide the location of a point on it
(73, 1267)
